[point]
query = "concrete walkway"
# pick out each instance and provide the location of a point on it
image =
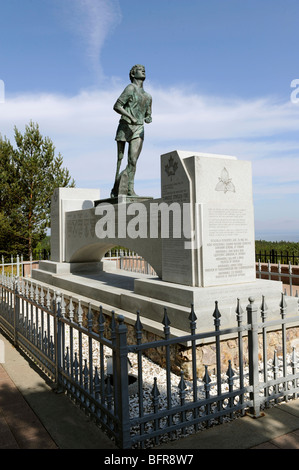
(32, 416)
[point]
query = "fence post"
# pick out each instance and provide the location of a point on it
(253, 358)
(122, 379)
(58, 342)
(16, 312)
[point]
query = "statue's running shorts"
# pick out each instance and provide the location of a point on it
(126, 132)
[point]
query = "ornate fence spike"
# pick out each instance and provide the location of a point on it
(36, 293)
(33, 332)
(67, 359)
(39, 337)
(192, 319)
(206, 379)
(283, 305)
(138, 327)
(52, 347)
(86, 374)
(155, 390)
(216, 315)
(239, 312)
(97, 383)
(31, 291)
(80, 313)
(89, 318)
(42, 296)
(29, 328)
(62, 306)
(71, 310)
(165, 321)
(76, 367)
(58, 304)
(264, 309)
(269, 267)
(27, 288)
(45, 341)
(48, 299)
(21, 286)
(182, 384)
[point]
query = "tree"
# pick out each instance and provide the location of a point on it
(29, 173)
(9, 235)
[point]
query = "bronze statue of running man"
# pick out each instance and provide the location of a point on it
(135, 107)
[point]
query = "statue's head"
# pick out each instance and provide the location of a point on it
(134, 70)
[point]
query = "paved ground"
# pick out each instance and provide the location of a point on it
(32, 416)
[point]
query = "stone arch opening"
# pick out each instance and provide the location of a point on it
(95, 253)
(127, 260)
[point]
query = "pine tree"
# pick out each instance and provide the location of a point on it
(29, 173)
(9, 235)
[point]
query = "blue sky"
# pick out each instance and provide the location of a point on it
(219, 72)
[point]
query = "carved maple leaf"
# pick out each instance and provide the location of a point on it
(171, 166)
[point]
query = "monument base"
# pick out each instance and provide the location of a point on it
(129, 292)
(122, 199)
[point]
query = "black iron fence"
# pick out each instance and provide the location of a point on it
(86, 353)
(273, 256)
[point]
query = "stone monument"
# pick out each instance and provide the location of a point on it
(198, 236)
(208, 255)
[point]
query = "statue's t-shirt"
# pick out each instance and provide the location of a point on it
(138, 103)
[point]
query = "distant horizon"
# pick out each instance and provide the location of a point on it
(273, 236)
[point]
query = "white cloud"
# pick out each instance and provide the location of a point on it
(92, 21)
(83, 129)
(216, 118)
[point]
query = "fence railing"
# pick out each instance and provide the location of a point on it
(86, 354)
(287, 274)
(130, 261)
(273, 256)
(17, 266)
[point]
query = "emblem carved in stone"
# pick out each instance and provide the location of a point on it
(171, 167)
(225, 183)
